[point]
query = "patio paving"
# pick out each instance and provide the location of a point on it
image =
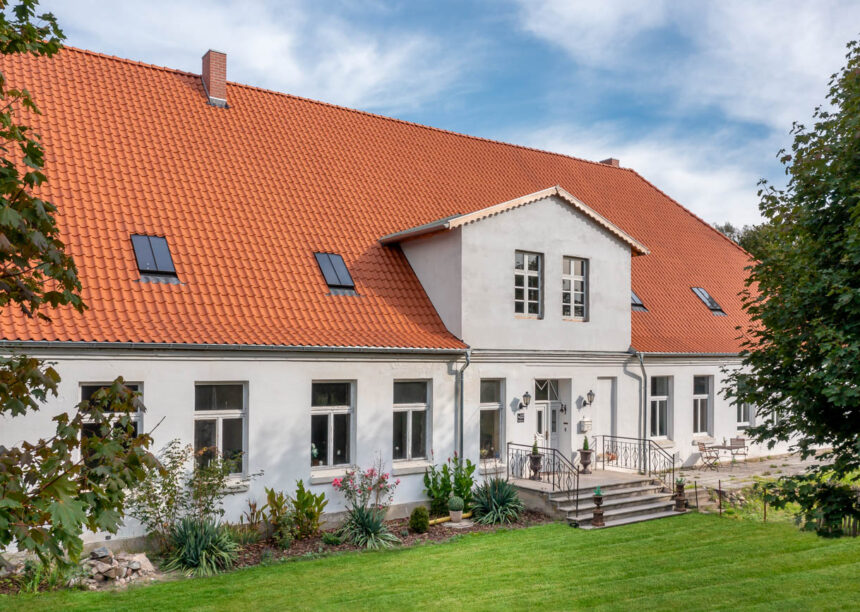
(743, 473)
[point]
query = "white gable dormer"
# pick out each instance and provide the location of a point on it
(542, 272)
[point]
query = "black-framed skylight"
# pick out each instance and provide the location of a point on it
(636, 303)
(710, 302)
(334, 271)
(153, 255)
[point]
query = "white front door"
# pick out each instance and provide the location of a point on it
(548, 409)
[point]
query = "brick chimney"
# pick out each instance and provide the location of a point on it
(611, 161)
(215, 77)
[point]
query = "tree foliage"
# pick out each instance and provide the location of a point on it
(752, 238)
(53, 488)
(802, 350)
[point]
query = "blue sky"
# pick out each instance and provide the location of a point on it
(696, 96)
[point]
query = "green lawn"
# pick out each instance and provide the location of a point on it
(686, 562)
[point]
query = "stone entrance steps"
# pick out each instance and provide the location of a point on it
(625, 500)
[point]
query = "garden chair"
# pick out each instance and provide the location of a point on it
(738, 448)
(710, 457)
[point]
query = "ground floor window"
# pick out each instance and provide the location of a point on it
(743, 415)
(331, 423)
(411, 418)
(220, 411)
(659, 403)
(490, 419)
(701, 403)
(89, 429)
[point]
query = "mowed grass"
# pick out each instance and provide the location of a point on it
(690, 562)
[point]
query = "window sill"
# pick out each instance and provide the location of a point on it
(663, 442)
(706, 438)
(574, 320)
(237, 484)
(404, 468)
(528, 317)
(328, 474)
(491, 467)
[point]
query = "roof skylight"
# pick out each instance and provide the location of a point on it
(153, 255)
(710, 302)
(636, 303)
(334, 272)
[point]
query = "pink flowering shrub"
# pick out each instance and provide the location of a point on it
(366, 488)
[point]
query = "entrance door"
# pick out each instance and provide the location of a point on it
(548, 409)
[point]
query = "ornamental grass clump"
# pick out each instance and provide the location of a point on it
(496, 502)
(368, 495)
(201, 547)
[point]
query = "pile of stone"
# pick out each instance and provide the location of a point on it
(106, 568)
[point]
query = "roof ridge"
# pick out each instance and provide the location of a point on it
(690, 212)
(344, 108)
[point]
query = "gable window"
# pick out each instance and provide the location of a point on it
(331, 423)
(153, 255)
(528, 285)
(88, 428)
(220, 411)
(636, 304)
(701, 403)
(659, 404)
(335, 273)
(411, 418)
(574, 288)
(490, 419)
(710, 302)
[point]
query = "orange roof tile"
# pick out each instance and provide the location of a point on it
(245, 196)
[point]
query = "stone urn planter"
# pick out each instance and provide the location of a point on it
(535, 461)
(680, 498)
(597, 517)
(585, 459)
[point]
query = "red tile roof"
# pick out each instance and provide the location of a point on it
(245, 195)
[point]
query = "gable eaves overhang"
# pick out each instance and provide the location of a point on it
(455, 221)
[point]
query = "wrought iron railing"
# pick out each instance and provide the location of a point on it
(640, 454)
(553, 468)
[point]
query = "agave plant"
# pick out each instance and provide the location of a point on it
(201, 547)
(496, 501)
(366, 527)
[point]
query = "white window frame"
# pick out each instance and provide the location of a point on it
(744, 409)
(527, 274)
(136, 417)
(220, 415)
(571, 293)
(654, 399)
(330, 411)
(496, 407)
(410, 408)
(699, 399)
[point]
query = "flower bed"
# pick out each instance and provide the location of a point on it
(266, 551)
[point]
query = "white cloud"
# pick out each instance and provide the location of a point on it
(298, 48)
(766, 62)
(701, 176)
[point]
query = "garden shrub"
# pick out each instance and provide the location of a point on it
(307, 510)
(455, 504)
(331, 538)
(368, 494)
(243, 534)
(201, 547)
(419, 520)
(455, 477)
(496, 501)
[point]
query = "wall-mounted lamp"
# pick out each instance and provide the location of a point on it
(527, 398)
(564, 408)
(589, 399)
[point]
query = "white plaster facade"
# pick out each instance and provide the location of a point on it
(468, 273)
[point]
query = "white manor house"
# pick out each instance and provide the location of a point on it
(305, 286)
